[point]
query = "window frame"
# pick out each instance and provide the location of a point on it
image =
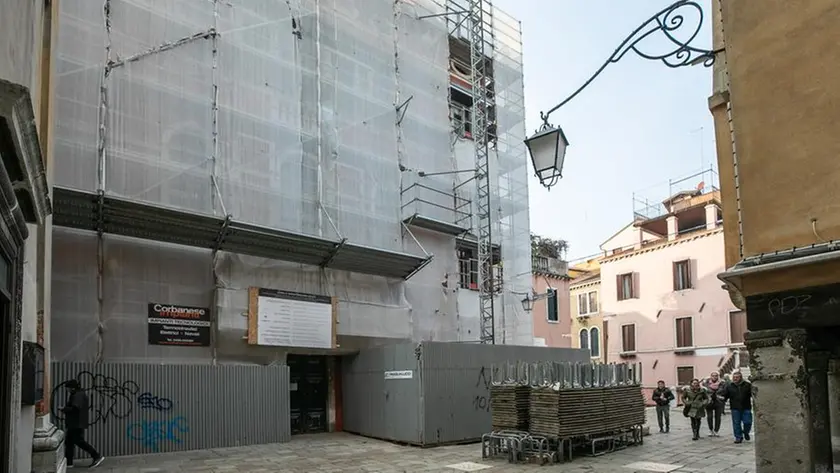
(677, 345)
(552, 294)
(581, 338)
(597, 301)
(729, 323)
(587, 296)
(591, 353)
(623, 347)
(585, 299)
(620, 294)
(677, 374)
(682, 284)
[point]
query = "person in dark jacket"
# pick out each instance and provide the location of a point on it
(695, 399)
(739, 394)
(663, 396)
(76, 418)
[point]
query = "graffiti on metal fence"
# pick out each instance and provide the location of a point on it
(151, 433)
(148, 400)
(109, 398)
(481, 402)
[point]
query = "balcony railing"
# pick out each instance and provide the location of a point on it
(543, 264)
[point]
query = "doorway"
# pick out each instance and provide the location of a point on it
(7, 357)
(309, 393)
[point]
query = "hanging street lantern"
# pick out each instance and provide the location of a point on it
(548, 151)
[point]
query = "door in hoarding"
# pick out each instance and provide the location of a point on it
(308, 393)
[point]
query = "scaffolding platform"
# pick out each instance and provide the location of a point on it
(97, 212)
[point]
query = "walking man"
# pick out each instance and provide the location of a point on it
(76, 418)
(663, 396)
(739, 394)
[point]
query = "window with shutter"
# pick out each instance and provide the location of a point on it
(551, 301)
(584, 338)
(685, 374)
(595, 342)
(626, 286)
(682, 275)
(685, 335)
(737, 326)
(628, 338)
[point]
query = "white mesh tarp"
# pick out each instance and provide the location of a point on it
(293, 117)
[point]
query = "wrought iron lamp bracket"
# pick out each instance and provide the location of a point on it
(669, 22)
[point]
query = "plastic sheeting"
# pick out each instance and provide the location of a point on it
(294, 117)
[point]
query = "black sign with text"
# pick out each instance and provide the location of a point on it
(179, 325)
(812, 307)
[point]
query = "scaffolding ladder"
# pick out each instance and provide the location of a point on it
(481, 48)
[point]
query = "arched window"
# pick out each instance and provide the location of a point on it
(584, 338)
(595, 341)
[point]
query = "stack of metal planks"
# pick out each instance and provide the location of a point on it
(575, 412)
(509, 406)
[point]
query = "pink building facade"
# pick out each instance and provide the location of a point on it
(660, 296)
(552, 315)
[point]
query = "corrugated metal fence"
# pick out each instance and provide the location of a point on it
(440, 393)
(139, 408)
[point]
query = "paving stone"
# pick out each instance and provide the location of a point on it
(345, 453)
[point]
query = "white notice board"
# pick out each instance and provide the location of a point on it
(290, 319)
(406, 374)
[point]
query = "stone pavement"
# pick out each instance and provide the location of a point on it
(345, 453)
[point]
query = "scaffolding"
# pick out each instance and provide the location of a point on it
(276, 140)
(701, 182)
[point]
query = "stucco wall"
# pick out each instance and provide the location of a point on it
(555, 334)
(785, 128)
(658, 306)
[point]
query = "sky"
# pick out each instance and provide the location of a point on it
(639, 124)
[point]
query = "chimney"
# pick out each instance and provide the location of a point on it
(711, 216)
(673, 229)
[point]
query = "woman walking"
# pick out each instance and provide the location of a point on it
(714, 410)
(695, 399)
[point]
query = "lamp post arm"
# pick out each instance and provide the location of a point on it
(667, 21)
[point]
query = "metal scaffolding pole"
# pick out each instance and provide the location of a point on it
(481, 108)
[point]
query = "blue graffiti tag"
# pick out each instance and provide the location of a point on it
(152, 432)
(150, 401)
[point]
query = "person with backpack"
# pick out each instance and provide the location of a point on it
(663, 396)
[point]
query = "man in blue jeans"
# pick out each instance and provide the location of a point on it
(739, 394)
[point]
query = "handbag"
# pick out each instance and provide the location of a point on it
(686, 409)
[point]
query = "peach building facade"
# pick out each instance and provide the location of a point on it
(660, 296)
(552, 323)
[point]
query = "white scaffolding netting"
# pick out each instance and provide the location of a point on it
(289, 118)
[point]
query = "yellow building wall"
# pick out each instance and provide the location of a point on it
(782, 59)
(594, 320)
(779, 75)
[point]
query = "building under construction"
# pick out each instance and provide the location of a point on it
(369, 151)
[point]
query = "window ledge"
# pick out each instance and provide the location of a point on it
(556, 322)
(627, 354)
(684, 349)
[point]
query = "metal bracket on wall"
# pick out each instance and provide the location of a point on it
(222, 233)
